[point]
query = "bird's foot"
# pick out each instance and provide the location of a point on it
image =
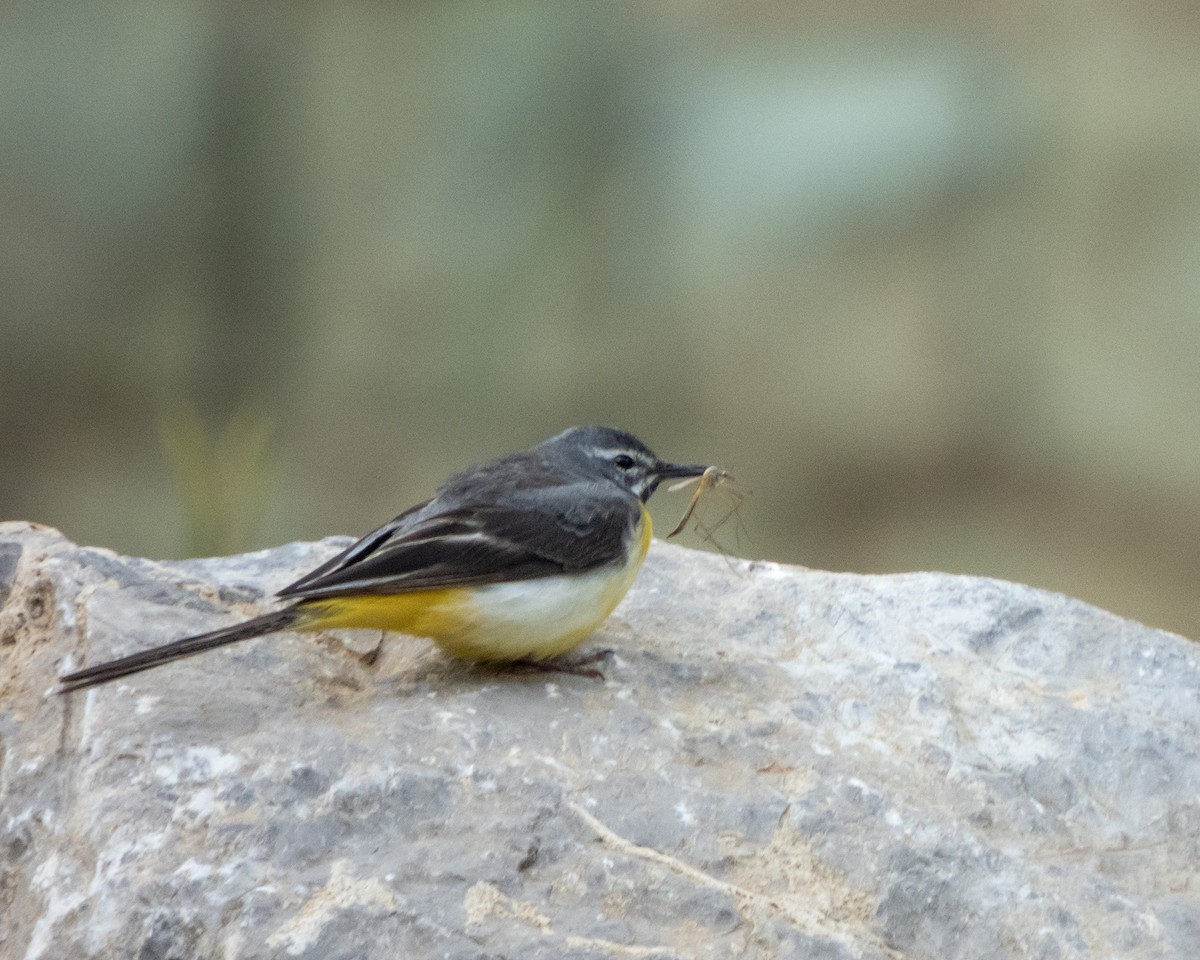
(576, 666)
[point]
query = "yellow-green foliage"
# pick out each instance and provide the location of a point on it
(222, 475)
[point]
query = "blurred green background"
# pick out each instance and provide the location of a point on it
(925, 277)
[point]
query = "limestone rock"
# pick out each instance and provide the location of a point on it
(780, 763)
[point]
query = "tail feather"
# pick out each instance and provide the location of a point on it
(188, 646)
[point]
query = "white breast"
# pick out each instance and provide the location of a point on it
(537, 619)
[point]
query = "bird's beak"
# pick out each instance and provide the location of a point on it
(672, 471)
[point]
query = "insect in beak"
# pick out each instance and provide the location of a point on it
(709, 478)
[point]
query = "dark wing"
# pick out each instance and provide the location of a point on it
(529, 533)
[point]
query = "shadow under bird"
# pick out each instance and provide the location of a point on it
(518, 559)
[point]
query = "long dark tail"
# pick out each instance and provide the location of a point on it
(188, 646)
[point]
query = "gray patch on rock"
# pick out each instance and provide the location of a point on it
(10, 557)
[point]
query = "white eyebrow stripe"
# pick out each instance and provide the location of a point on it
(610, 452)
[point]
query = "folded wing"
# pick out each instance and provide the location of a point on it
(533, 533)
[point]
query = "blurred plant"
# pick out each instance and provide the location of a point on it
(222, 477)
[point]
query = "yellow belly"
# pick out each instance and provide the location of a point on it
(525, 619)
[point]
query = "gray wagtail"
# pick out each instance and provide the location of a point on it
(516, 559)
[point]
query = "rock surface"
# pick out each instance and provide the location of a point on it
(780, 763)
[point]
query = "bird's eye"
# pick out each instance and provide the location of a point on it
(623, 460)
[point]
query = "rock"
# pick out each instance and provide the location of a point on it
(780, 763)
